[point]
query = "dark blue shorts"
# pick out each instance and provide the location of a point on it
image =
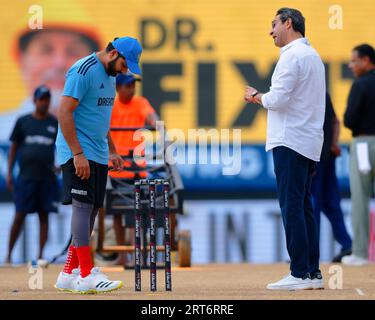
(36, 195)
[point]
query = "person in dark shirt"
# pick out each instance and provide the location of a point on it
(360, 119)
(35, 189)
(325, 188)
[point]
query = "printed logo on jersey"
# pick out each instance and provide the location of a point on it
(104, 102)
(51, 129)
(37, 139)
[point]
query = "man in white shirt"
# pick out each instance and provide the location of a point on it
(296, 107)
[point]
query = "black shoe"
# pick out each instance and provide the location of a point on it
(347, 252)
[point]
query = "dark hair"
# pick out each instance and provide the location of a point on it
(26, 38)
(365, 50)
(298, 21)
(110, 46)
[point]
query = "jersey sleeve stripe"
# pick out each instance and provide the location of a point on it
(85, 63)
(83, 72)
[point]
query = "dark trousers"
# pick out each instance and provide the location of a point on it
(293, 176)
(326, 195)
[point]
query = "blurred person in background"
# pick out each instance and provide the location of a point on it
(360, 119)
(133, 112)
(44, 56)
(325, 188)
(35, 190)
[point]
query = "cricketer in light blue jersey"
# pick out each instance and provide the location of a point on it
(93, 86)
(88, 82)
(84, 148)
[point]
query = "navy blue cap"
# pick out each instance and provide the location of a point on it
(131, 50)
(42, 91)
(126, 78)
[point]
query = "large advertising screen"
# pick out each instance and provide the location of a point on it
(195, 63)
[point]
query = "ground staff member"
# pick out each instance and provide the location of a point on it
(35, 190)
(295, 104)
(84, 147)
(360, 119)
(129, 111)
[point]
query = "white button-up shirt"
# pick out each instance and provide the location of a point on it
(296, 101)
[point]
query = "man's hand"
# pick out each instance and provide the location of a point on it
(114, 157)
(10, 182)
(117, 161)
(335, 150)
(249, 91)
(82, 166)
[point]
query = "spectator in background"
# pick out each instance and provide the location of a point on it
(325, 188)
(360, 119)
(35, 190)
(134, 112)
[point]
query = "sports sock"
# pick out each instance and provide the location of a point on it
(85, 261)
(71, 260)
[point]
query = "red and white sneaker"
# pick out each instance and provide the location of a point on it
(96, 282)
(66, 281)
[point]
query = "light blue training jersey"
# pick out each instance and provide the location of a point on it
(88, 82)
